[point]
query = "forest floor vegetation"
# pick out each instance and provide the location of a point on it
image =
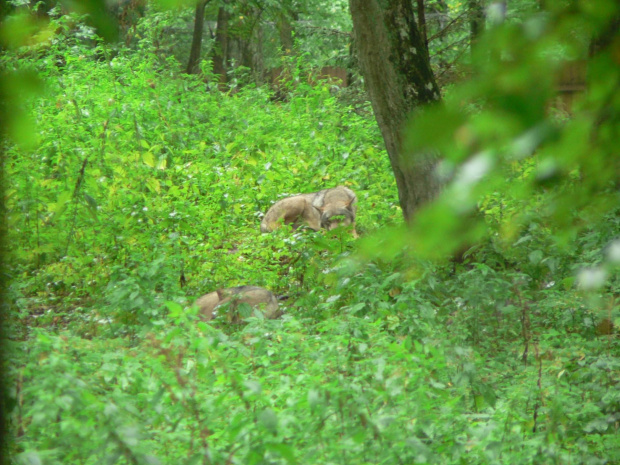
(145, 189)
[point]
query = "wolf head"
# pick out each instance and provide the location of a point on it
(333, 217)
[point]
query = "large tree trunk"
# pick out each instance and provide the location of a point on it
(396, 68)
(199, 21)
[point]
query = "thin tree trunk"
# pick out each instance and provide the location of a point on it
(602, 43)
(199, 21)
(220, 50)
(256, 58)
(476, 21)
(285, 29)
(396, 68)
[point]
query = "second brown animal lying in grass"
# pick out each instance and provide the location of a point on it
(254, 296)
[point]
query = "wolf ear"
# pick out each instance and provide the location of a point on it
(220, 294)
(350, 203)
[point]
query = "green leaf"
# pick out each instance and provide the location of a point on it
(353, 309)
(244, 309)
(314, 398)
(253, 386)
(535, 257)
(269, 420)
(60, 205)
(285, 451)
(149, 159)
(176, 310)
(154, 185)
(92, 205)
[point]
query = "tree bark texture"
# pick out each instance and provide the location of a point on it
(199, 21)
(396, 68)
(422, 22)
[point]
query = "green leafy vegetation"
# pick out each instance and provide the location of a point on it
(484, 332)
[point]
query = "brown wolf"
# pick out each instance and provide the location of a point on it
(256, 297)
(325, 209)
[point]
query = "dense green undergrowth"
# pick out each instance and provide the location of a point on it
(161, 175)
(145, 188)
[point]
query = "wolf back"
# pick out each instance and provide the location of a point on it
(256, 297)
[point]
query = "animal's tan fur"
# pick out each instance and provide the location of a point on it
(316, 210)
(256, 297)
